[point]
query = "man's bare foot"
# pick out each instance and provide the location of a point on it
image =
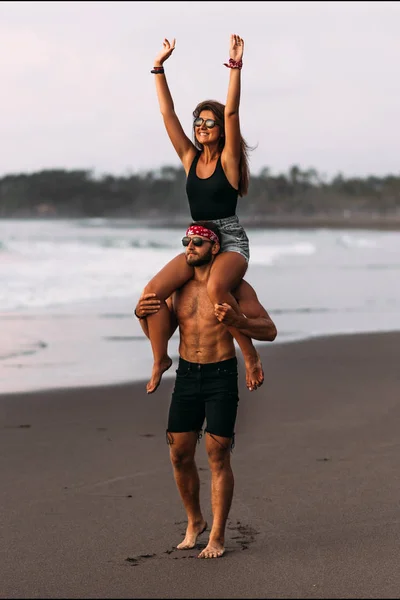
(192, 533)
(158, 370)
(212, 550)
(254, 371)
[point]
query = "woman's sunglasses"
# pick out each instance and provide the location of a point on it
(209, 123)
(197, 241)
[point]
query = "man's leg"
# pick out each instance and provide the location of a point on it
(222, 484)
(182, 451)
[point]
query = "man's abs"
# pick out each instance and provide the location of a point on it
(203, 339)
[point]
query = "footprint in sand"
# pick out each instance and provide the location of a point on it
(134, 561)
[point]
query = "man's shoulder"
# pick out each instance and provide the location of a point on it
(243, 290)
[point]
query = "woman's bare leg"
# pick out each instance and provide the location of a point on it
(226, 273)
(171, 277)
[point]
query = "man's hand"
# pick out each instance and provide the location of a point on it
(226, 314)
(165, 53)
(148, 304)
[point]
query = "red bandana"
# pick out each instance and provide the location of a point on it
(199, 230)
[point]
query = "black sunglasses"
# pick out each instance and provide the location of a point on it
(210, 123)
(197, 241)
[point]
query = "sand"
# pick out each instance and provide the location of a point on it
(89, 507)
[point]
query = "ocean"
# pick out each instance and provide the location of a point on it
(68, 289)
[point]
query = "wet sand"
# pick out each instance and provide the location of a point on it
(90, 508)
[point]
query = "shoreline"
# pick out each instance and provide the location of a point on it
(86, 382)
(370, 222)
(90, 507)
(264, 348)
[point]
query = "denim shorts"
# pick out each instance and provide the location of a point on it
(205, 392)
(233, 236)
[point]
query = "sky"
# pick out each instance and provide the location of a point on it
(320, 83)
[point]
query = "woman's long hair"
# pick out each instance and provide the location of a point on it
(218, 109)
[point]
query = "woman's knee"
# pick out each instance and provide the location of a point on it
(173, 276)
(157, 288)
(151, 288)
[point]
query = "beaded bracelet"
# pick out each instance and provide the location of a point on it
(233, 64)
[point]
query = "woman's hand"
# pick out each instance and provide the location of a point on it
(226, 314)
(165, 53)
(236, 47)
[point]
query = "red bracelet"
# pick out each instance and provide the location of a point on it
(233, 64)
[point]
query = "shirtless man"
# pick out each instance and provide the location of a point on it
(206, 385)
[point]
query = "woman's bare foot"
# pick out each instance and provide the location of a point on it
(254, 371)
(192, 533)
(212, 550)
(158, 370)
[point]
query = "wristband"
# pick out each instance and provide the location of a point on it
(137, 316)
(157, 70)
(233, 64)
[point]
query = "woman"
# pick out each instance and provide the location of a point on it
(217, 173)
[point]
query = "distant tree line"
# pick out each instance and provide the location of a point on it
(161, 194)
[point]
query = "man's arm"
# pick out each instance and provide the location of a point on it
(149, 304)
(252, 320)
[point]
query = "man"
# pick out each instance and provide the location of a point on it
(206, 386)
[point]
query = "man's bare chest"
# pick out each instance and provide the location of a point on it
(193, 302)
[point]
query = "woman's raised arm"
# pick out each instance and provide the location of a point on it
(182, 144)
(232, 147)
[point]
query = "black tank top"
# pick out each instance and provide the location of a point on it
(210, 198)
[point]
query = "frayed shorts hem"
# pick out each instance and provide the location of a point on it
(241, 252)
(199, 433)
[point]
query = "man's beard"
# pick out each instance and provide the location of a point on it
(199, 261)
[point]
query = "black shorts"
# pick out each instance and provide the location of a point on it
(205, 392)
